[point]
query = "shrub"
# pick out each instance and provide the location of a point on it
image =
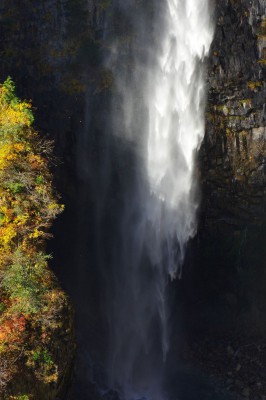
(29, 311)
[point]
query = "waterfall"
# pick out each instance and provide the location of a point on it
(157, 123)
(175, 100)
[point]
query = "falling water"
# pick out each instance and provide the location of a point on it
(158, 119)
(175, 99)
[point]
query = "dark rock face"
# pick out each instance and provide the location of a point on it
(233, 163)
(234, 146)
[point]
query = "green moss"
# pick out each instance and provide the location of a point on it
(262, 29)
(219, 107)
(210, 116)
(104, 4)
(245, 102)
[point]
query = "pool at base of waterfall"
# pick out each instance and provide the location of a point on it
(185, 383)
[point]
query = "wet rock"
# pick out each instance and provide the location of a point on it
(238, 367)
(235, 116)
(112, 395)
(246, 392)
(233, 157)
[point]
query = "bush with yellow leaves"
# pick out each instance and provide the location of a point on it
(33, 309)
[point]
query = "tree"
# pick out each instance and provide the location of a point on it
(31, 303)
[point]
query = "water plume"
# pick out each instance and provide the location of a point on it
(158, 116)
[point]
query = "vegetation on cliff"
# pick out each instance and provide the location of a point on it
(35, 316)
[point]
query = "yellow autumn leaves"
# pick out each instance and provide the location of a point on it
(28, 205)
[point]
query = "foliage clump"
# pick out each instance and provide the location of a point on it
(32, 306)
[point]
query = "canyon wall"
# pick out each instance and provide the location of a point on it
(55, 51)
(232, 164)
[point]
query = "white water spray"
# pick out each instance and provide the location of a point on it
(175, 99)
(159, 115)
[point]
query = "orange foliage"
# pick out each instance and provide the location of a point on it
(30, 301)
(11, 329)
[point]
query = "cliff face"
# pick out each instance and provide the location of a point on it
(233, 161)
(234, 146)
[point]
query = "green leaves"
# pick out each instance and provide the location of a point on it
(16, 187)
(40, 180)
(23, 281)
(10, 87)
(2, 218)
(42, 357)
(31, 304)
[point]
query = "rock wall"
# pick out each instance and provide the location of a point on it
(233, 163)
(234, 146)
